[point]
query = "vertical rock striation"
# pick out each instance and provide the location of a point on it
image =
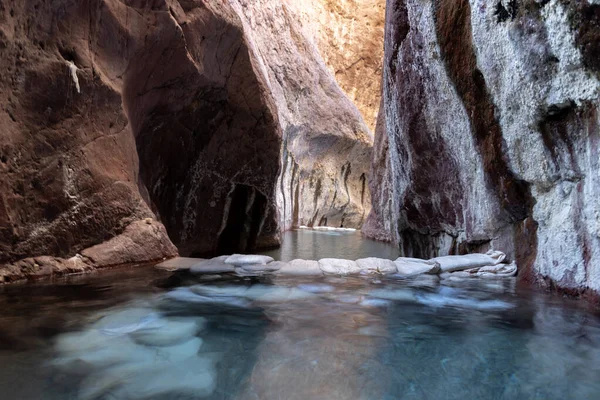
(326, 144)
(217, 118)
(491, 128)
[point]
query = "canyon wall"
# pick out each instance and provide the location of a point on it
(490, 134)
(124, 121)
(349, 36)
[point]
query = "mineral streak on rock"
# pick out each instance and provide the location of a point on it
(218, 119)
(489, 135)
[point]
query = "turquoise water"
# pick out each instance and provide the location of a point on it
(147, 334)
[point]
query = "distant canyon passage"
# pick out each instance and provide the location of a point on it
(133, 130)
(218, 119)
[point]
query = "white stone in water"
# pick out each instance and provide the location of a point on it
(178, 263)
(338, 266)
(120, 350)
(239, 271)
(74, 342)
(220, 291)
(300, 268)
(414, 266)
(394, 294)
(276, 294)
(375, 265)
(180, 351)
(458, 263)
(170, 333)
(194, 376)
(440, 300)
(316, 288)
(374, 302)
(215, 265)
(185, 295)
(123, 321)
(270, 267)
(247, 259)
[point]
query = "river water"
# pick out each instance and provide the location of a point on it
(149, 334)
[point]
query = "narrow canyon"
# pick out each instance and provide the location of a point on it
(137, 130)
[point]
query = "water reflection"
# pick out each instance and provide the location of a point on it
(316, 244)
(161, 336)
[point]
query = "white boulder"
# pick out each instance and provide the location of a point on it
(338, 266)
(375, 265)
(240, 260)
(458, 263)
(415, 266)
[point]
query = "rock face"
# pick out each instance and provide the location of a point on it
(326, 144)
(349, 36)
(490, 134)
(202, 114)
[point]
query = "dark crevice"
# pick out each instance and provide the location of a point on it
(246, 213)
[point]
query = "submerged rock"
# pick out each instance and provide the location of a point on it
(270, 267)
(169, 333)
(375, 265)
(415, 266)
(457, 263)
(193, 376)
(337, 266)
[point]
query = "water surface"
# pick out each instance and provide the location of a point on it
(126, 335)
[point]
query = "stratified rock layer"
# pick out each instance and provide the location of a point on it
(489, 137)
(205, 115)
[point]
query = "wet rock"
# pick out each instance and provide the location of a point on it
(194, 376)
(186, 296)
(215, 265)
(316, 288)
(398, 294)
(374, 265)
(512, 139)
(268, 268)
(276, 294)
(414, 266)
(245, 99)
(242, 260)
(336, 266)
(179, 264)
(458, 263)
(301, 268)
(167, 332)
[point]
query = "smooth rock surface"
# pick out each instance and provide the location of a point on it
(241, 260)
(215, 265)
(488, 135)
(241, 119)
(407, 266)
(336, 266)
(301, 268)
(375, 265)
(458, 263)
